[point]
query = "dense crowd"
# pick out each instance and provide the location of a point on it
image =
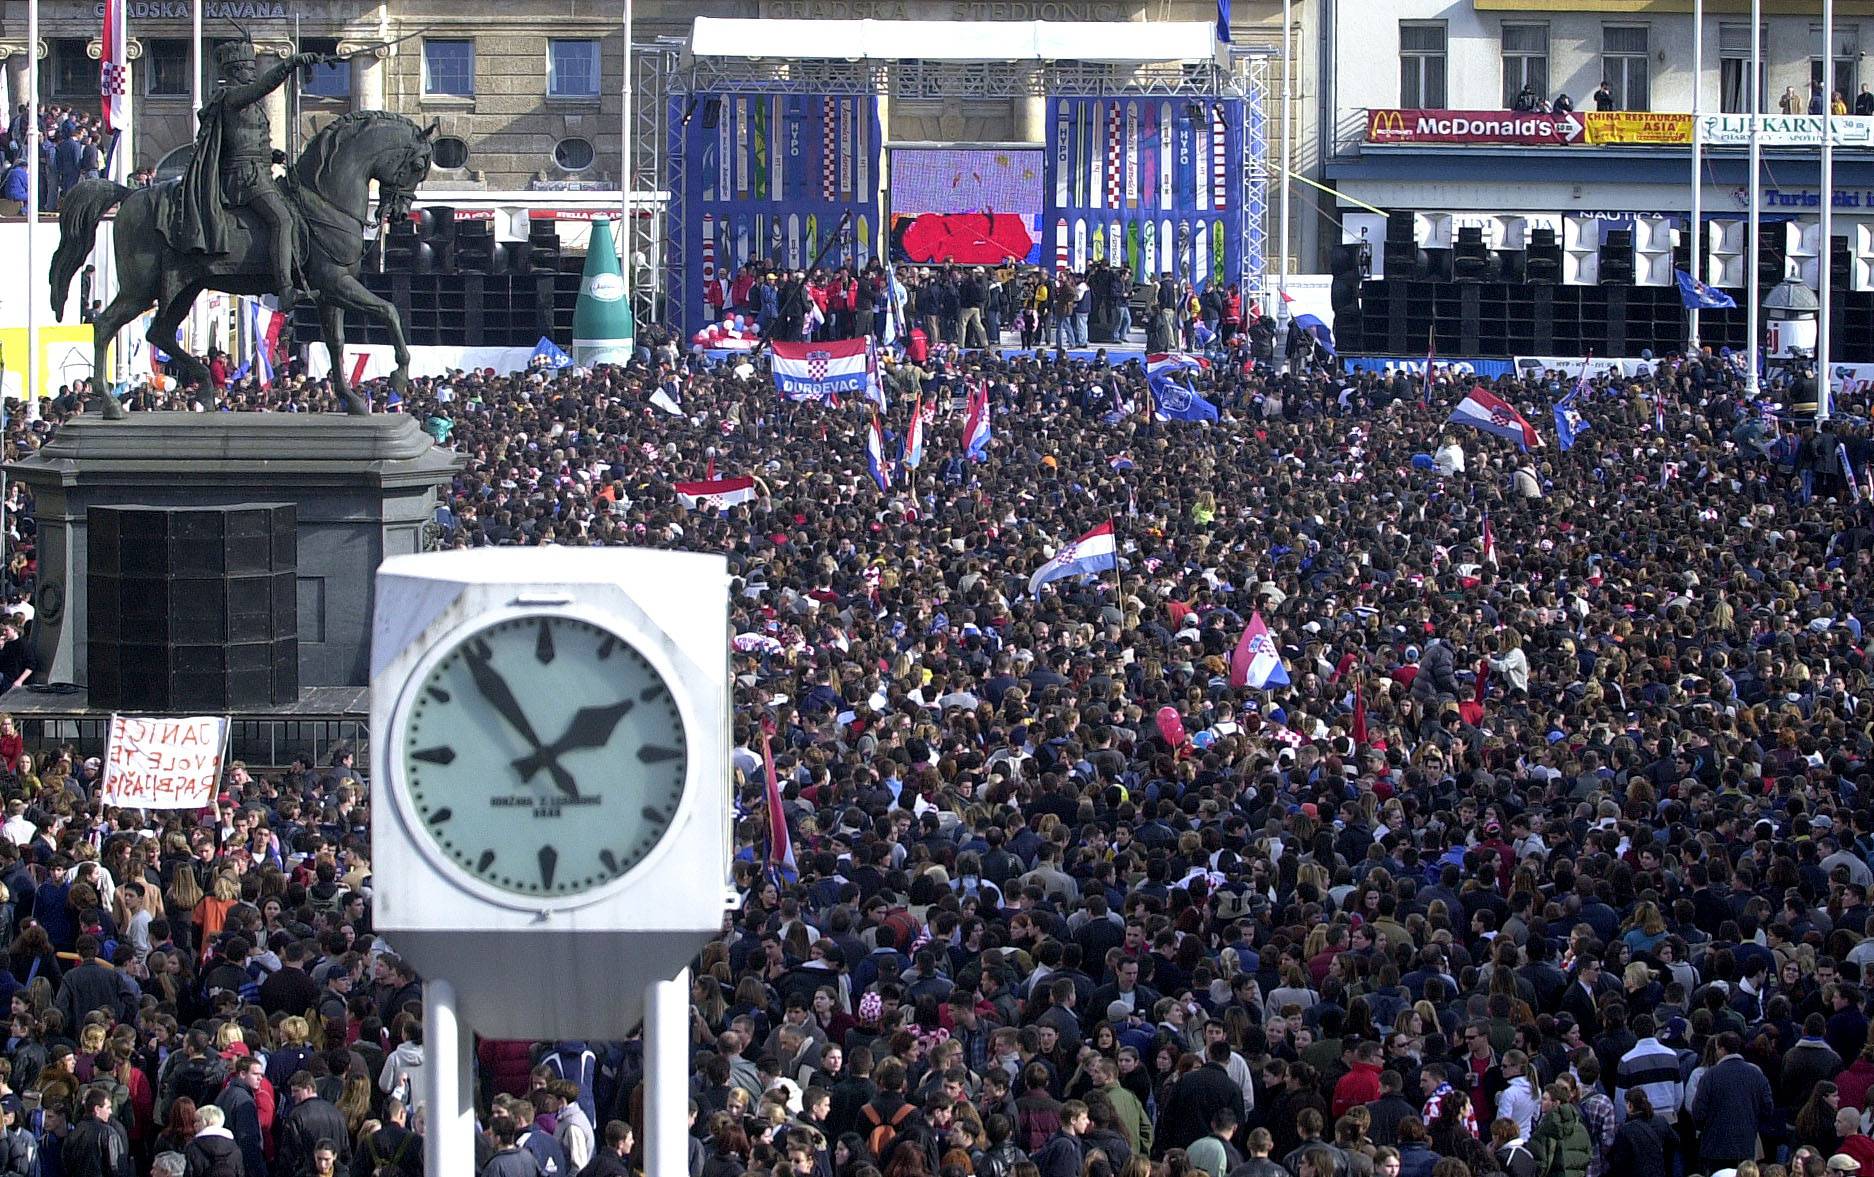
(1550, 861)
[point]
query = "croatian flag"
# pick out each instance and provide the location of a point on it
(821, 371)
(1483, 409)
(1164, 363)
(780, 843)
(976, 425)
(1490, 544)
(914, 437)
(875, 454)
(1255, 662)
(1089, 555)
(716, 492)
(114, 69)
(260, 321)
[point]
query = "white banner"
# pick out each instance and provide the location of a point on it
(1532, 367)
(1857, 379)
(164, 763)
(1785, 130)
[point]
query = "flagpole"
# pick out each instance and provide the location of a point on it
(32, 210)
(1824, 279)
(625, 223)
(1755, 104)
(1698, 171)
(1288, 145)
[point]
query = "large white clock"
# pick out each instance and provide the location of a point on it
(543, 755)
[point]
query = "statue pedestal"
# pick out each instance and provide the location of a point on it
(365, 489)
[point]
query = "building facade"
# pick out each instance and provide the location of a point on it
(527, 94)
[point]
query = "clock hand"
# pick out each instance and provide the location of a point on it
(591, 727)
(495, 689)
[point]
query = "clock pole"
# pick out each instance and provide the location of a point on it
(667, 1075)
(449, 1145)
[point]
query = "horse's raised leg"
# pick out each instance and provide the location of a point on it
(129, 303)
(163, 333)
(345, 290)
(332, 329)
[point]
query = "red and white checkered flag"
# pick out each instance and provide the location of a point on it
(114, 68)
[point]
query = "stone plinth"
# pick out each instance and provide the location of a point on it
(365, 489)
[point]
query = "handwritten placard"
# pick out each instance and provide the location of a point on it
(164, 763)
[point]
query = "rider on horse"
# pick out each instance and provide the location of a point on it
(233, 167)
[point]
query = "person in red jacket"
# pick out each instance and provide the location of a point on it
(508, 1065)
(1361, 1084)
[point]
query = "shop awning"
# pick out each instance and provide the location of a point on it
(957, 40)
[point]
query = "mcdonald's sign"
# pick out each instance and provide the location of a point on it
(1405, 125)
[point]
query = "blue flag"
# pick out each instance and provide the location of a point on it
(1323, 334)
(1695, 294)
(549, 351)
(1223, 21)
(1180, 403)
(1568, 422)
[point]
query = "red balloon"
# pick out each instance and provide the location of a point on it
(1171, 726)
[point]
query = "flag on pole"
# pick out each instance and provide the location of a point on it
(914, 436)
(1847, 472)
(780, 843)
(257, 317)
(1223, 21)
(1255, 661)
(976, 424)
(875, 459)
(1483, 409)
(1092, 553)
(114, 69)
(1490, 544)
(1359, 716)
(1431, 360)
(720, 493)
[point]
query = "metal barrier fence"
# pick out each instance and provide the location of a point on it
(261, 743)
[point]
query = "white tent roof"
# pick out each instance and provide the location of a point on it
(955, 40)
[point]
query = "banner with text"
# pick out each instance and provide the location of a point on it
(1785, 130)
(164, 763)
(1391, 125)
(1637, 127)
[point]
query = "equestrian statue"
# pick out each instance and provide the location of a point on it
(227, 224)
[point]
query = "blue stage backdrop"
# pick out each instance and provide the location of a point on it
(770, 180)
(1156, 182)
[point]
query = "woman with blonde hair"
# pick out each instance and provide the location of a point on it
(1645, 928)
(355, 1101)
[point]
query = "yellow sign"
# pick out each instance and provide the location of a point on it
(1637, 126)
(64, 358)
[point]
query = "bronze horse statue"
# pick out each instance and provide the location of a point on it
(330, 189)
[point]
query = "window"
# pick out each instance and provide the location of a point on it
(1422, 65)
(572, 68)
(1847, 51)
(449, 69)
(448, 153)
(573, 155)
(1734, 69)
(324, 81)
(73, 70)
(1525, 61)
(166, 68)
(1625, 65)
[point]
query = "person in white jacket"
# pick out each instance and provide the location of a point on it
(404, 1065)
(1512, 663)
(1518, 1102)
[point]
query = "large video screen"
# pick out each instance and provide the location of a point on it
(970, 206)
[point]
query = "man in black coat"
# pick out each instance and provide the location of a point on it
(397, 1148)
(96, 1147)
(1196, 1097)
(309, 1121)
(611, 1158)
(91, 986)
(236, 1101)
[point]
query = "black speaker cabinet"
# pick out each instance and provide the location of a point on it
(193, 608)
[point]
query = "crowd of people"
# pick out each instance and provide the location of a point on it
(1550, 858)
(978, 306)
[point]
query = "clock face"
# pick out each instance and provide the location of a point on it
(544, 756)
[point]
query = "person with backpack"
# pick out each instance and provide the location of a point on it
(212, 1151)
(1064, 1153)
(886, 1114)
(393, 1146)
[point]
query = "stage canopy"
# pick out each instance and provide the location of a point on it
(957, 40)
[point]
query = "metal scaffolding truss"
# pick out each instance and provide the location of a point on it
(652, 69)
(669, 76)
